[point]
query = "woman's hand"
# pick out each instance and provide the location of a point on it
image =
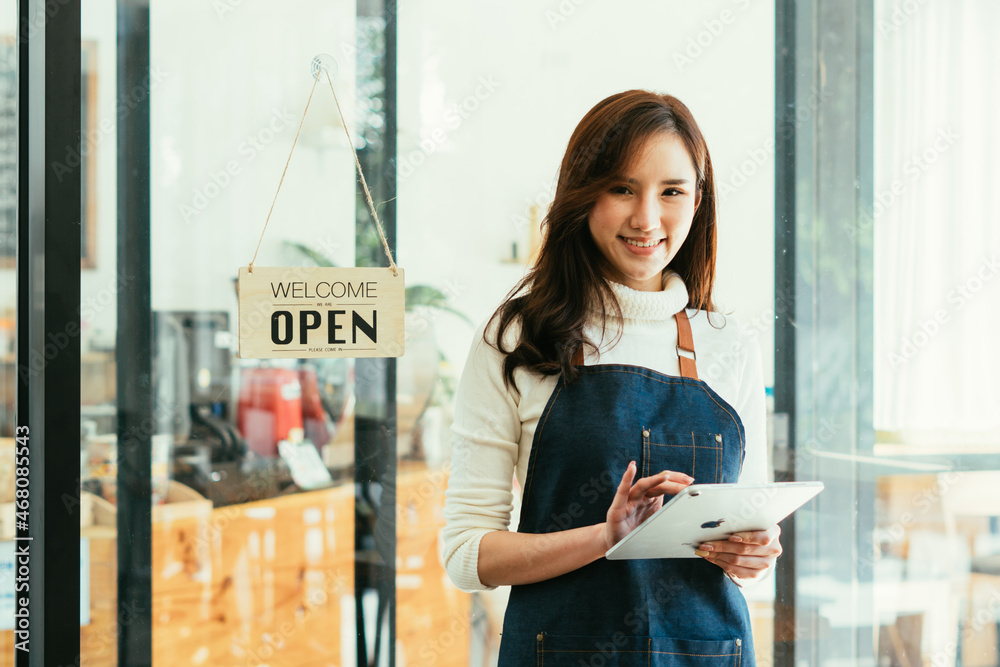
(746, 555)
(633, 504)
(510, 558)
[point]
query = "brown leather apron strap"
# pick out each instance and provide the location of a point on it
(685, 343)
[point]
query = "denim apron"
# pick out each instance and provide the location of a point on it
(627, 613)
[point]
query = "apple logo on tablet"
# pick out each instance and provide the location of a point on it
(713, 524)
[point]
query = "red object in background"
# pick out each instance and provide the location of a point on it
(270, 407)
(313, 415)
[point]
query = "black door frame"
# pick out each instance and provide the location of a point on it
(48, 331)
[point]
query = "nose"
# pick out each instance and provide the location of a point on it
(646, 217)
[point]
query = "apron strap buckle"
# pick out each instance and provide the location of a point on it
(685, 342)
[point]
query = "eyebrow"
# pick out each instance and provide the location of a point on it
(669, 181)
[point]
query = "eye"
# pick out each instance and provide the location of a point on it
(672, 192)
(621, 190)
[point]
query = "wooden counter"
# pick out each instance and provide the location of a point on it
(258, 583)
(272, 582)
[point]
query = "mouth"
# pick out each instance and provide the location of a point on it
(652, 243)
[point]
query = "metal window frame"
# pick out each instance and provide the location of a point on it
(134, 338)
(375, 432)
(824, 183)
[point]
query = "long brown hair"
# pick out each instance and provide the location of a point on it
(551, 302)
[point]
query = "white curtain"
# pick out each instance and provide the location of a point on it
(937, 223)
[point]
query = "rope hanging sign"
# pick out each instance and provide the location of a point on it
(309, 312)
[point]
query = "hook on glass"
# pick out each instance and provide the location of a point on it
(322, 62)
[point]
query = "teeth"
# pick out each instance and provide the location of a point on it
(637, 244)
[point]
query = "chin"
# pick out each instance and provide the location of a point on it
(634, 281)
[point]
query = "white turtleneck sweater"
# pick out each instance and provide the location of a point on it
(494, 426)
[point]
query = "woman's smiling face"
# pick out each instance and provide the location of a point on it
(641, 222)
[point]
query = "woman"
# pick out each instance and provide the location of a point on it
(584, 387)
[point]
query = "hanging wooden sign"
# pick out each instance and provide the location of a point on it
(310, 312)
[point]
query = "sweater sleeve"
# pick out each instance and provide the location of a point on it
(484, 451)
(751, 406)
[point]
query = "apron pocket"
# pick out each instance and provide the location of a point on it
(667, 652)
(698, 454)
(620, 650)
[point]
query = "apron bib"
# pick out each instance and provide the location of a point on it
(627, 613)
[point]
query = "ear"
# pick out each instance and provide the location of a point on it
(697, 199)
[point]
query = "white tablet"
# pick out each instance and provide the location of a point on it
(705, 512)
